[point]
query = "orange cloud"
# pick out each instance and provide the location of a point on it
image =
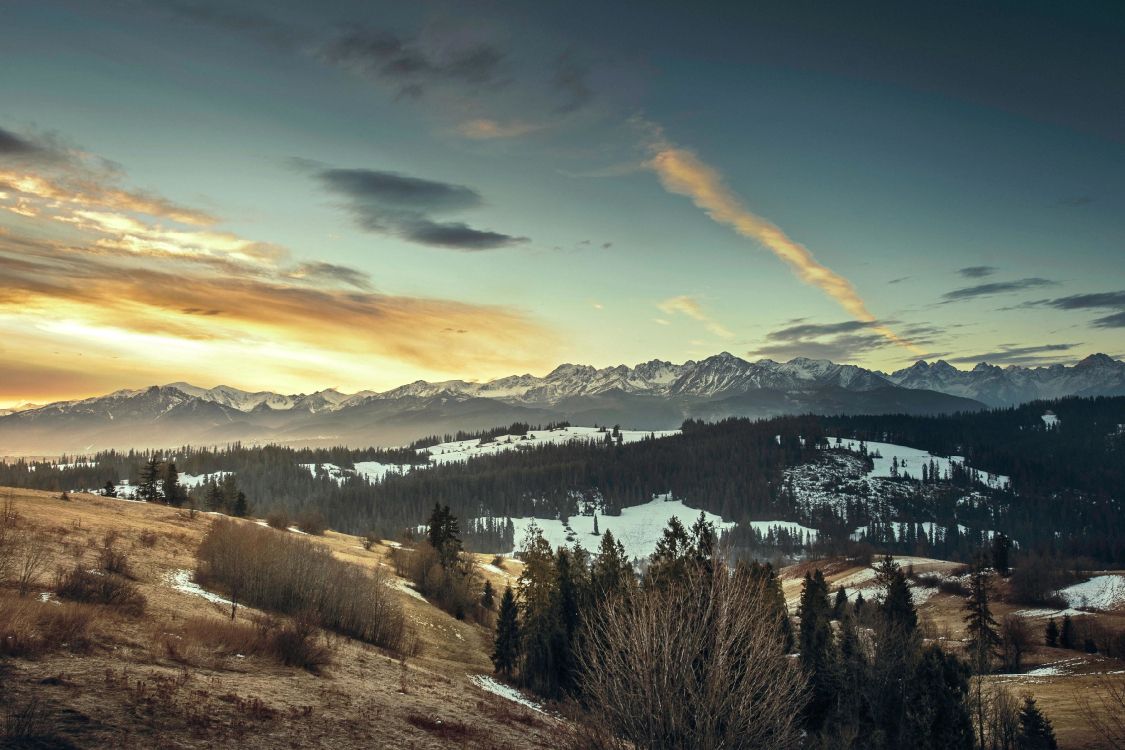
(482, 129)
(688, 306)
(682, 172)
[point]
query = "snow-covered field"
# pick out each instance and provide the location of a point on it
(637, 528)
(910, 461)
(462, 450)
(1100, 592)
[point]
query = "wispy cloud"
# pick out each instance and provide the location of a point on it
(977, 272)
(487, 129)
(996, 287)
(689, 306)
(1012, 355)
(405, 206)
(1092, 301)
(682, 172)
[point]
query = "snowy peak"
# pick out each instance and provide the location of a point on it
(1096, 375)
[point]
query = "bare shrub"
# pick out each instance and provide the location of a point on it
(1037, 581)
(31, 726)
(111, 559)
(370, 539)
(33, 628)
(31, 559)
(81, 585)
(455, 589)
(700, 664)
(148, 538)
(293, 643)
(292, 575)
(278, 519)
(312, 522)
(9, 522)
(953, 586)
(1106, 711)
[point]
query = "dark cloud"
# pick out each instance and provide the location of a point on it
(14, 145)
(457, 236)
(383, 190)
(1014, 355)
(411, 66)
(1116, 320)
(811, 330)
(398, 204)
(321, 271)
(844, 348)
(1089, 301)
(570, 80)
(977, 272)
(996, 287)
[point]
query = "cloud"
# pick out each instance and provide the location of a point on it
(996, 287)
(570, 80)
(321, 271)
(484, 129)
(682, 172)
(414, 65)
(14, 145)
(805, 330)
(977, 272)
(401, 205)
(1092, 301)
(1017, 355)
(688, 306)
(1089, 301)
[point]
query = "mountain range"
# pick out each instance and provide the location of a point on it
(650, 396)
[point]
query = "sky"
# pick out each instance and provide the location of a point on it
(294, 196)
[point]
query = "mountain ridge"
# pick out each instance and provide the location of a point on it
(651, 395)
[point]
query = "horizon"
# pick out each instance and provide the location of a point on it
(269, 195)
(26, 405)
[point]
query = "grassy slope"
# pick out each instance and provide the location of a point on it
(154, 682)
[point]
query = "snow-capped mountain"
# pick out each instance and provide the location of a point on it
(1096, 375)
(653, 395)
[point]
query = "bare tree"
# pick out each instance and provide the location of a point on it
(9, 519)
(31, 559)
(1016, 639)
(699, 664)
(1106, 713)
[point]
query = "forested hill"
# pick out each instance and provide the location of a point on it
(1067, 478)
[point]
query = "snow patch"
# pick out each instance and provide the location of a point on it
(484, 682)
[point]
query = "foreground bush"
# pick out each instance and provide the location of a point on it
(96, 587)
(698, 664)
(291, 642)
(293, 575)
(32, 628)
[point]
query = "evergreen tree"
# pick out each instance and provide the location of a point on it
(982, 629)
(817, 650)
(110, 489)
(1036, 732)
(241, 506)
(670, 559)
(506, 648)
(214, 500)
(596, 532)
(1051, 637)
(1001, 545)
(937, 717)
(540, 627)
(444, 534)
(487, 596)
(611, 573)
(1066, 635)
(150, 475)
(898, 604)
(840, 606)
(173, 492)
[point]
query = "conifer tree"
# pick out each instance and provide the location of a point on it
(1036, 732)
(1051, 637)
(611, 573)
(817, 650)
(1066, 635)
(173, 492)
(841, 603)
(487, 596)
(241, 505)
(110, 489)
(150, 474)
(506, 648)
(898, 604)
(982, 629)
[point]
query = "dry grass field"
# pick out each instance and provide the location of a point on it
(182, 675)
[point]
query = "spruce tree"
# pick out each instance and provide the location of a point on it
(1036, 732)
(817, 650)
(241, 506)
(841, 604)
(984, 636)
(898, 604)
(1051, 637)
(487, 596)
(110, 489)
(611, 573)
(506, 648)
(1066, 635)
(150, 474)
(173, 492)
